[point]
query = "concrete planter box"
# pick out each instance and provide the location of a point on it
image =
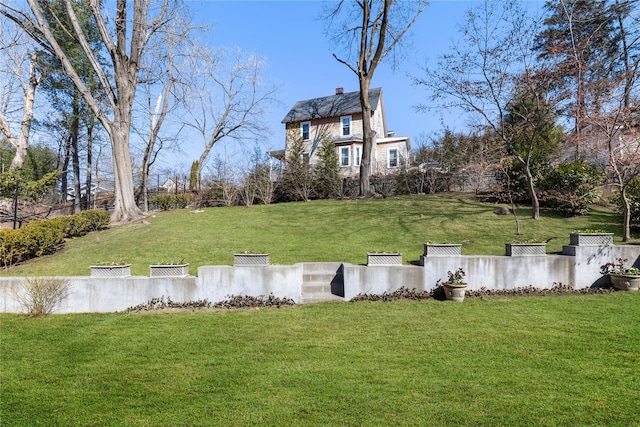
(591, 239)
(442, 249)
(525, 249)
(384, 258)
(250, 260)
(166, 270)
(111, 270)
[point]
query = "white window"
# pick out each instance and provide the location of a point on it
(344, 156)
(358, 155)
(392, 160)
(306, 129)
(346, 125)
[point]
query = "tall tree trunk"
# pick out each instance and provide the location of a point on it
(626, 215)
(125, 208)
(22, 141)
(88, 183)
(368, 136)
(75, 158)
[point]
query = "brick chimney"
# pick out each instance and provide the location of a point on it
(339, 91)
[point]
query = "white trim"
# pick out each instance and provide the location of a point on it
(350, 124)
(348, 156)
(357, 155)
(308, 131)
(389, 150)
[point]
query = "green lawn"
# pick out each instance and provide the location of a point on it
(323, 230)
(529, 361)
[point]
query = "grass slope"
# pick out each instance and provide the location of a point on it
(323, 230)
(532, 361)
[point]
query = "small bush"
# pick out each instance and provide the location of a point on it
(164, 202)
(98, 220)
(38, 296)
(183, 200)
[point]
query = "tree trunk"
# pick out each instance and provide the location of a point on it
(125, 209)
(535, 204)
(75, 158)
(626, 215)
(22, 141)
(88, 182)
(367, 140)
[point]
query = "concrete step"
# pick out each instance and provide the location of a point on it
(322, 281)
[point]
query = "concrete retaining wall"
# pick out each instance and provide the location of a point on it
(578, 266)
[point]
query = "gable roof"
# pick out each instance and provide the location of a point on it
(331, 106)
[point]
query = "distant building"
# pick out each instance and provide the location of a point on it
(339, 118)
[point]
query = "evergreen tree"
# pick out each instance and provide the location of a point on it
(326, 179)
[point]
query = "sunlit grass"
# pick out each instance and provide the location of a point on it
(543, 361)
(323, 230)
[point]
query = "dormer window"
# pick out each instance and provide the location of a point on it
(346, 125)
(306, 130)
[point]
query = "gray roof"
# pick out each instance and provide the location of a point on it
(331, 106)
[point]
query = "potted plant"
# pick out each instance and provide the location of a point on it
(530, 247)
(384, 258)
(455, 286)
(442, 249)
(623, 278)
(249, 259)
(111, 269)
(177, 268)
(590, 238)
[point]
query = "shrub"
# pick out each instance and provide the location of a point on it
(98, 220)
(183, 200)
(633, 195)
(72, 226)
(571, 188)
(39, 238)
(164, 202)
(38, 296)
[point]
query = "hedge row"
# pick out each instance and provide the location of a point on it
(165, 202)
(44, 237)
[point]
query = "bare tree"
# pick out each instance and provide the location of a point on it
(369, 31)
(227, 98)
(496, 76)
(125, 47)
(162, 92)
(20, 66)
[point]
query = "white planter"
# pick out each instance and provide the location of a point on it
(442, 249)
(525, 249)
(625, 282)
(111, 270)
(250, 260)
(384, 258)
(165, 270)
(454, 292)
(591, 239)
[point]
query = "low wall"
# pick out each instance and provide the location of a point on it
(578, 266)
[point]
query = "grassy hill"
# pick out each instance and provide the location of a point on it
(323, 230)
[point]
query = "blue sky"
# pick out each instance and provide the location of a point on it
(289, 35)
